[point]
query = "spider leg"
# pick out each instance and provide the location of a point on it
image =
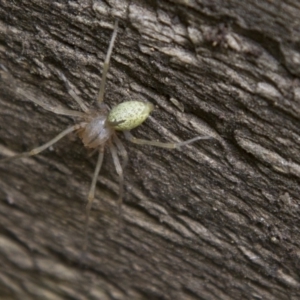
(119, 170)
(37, 150)
(71, 92)
(134, 140)
(106, 63)
(91, 196)
(57, 110)
(121, 150)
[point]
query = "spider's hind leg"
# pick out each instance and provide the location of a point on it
(71, 92)
(134, 140)
(59, 110)
(106, 64)
(119, 171)
(121, 150)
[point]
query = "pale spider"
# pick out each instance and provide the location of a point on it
(99, 127)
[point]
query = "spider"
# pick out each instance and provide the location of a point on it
(98, 128)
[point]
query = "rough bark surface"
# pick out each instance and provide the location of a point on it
(216, 220)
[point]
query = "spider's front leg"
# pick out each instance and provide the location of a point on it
(91, 196)
(37, 150)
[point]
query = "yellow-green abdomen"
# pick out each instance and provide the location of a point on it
(129, 114)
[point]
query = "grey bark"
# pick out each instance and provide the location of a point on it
(216, 220)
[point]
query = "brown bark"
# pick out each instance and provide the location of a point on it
(216, 220)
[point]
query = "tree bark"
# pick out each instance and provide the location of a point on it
(217, 219)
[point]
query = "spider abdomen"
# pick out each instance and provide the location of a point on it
(129, 114)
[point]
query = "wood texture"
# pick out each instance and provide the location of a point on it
(215, 220)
